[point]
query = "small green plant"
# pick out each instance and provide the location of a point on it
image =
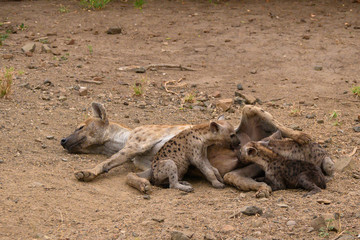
(63, 9)
(295, 112)
(333, 115)
(139, 4)
(3, 37)
(324, 231)
(90, 48)
(138, 90)
(22, 27)
(356, 91)
(44, 41)
(94, 4)
(21, 72)
(190, 98)
(6, 77)
(64, 57)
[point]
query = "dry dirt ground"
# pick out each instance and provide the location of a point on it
(300, 58)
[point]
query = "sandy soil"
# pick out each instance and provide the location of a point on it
(300, 58)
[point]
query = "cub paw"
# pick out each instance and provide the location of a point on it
(263, 192)
(85, 176)
(218, 185)
(186, 188)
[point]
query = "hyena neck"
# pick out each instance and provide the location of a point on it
(115, 138)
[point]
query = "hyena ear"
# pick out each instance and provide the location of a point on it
(99, 112)
(214, 127)
(221, 117)
(250, 151)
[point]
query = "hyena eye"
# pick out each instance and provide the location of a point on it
(80, 128)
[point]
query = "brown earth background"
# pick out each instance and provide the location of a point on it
(299, 58)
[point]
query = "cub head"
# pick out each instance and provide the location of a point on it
(224, 133)
(257, 152)
(88, 137)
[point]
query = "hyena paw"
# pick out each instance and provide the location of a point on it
(85, 176)
(302, 138)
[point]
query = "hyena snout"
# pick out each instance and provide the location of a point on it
(63, 142)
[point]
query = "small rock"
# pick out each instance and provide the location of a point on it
(318, 68)
(29, 47)
(2, 161)
(216, 94)
(36, 184)
(320, 121)
(64, 159)
(291, 223)
(249, 99)
(310, 116)
(254, 71)
(48, 82)
(224, 104)
(62, 98)
(356, 175)
(114, 30)
(49, 137)
(323, 201)
(45, 48)
(71, 42)
(239, 101)
(136, 120)
(199, 108)
(356, 129)
(209, 236)
(45, 97)
(318, 222)
(281, 205)
(56, 52)
(25, 85)
(126, 103)
(159, 220)
(227, 228)
(83, 91)
(140, 70)
(175, 235)
(239, 86)
(306, 37)
(146, 196)
(8, 56)
(29, 54)
(296, 127)
(251, 210)
(346, 237)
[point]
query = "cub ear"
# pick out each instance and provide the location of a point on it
(264, 143)
(99, 112)
(250, 151)
(214, 127)
(221, 117)
(277, 135)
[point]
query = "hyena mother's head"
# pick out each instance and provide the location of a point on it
(89, 136)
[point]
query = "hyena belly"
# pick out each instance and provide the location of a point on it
(311, 152)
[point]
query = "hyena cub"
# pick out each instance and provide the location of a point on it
(310, 152)
(281, 172)
(187, 148)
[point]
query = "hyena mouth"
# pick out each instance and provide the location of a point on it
(73, 146)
